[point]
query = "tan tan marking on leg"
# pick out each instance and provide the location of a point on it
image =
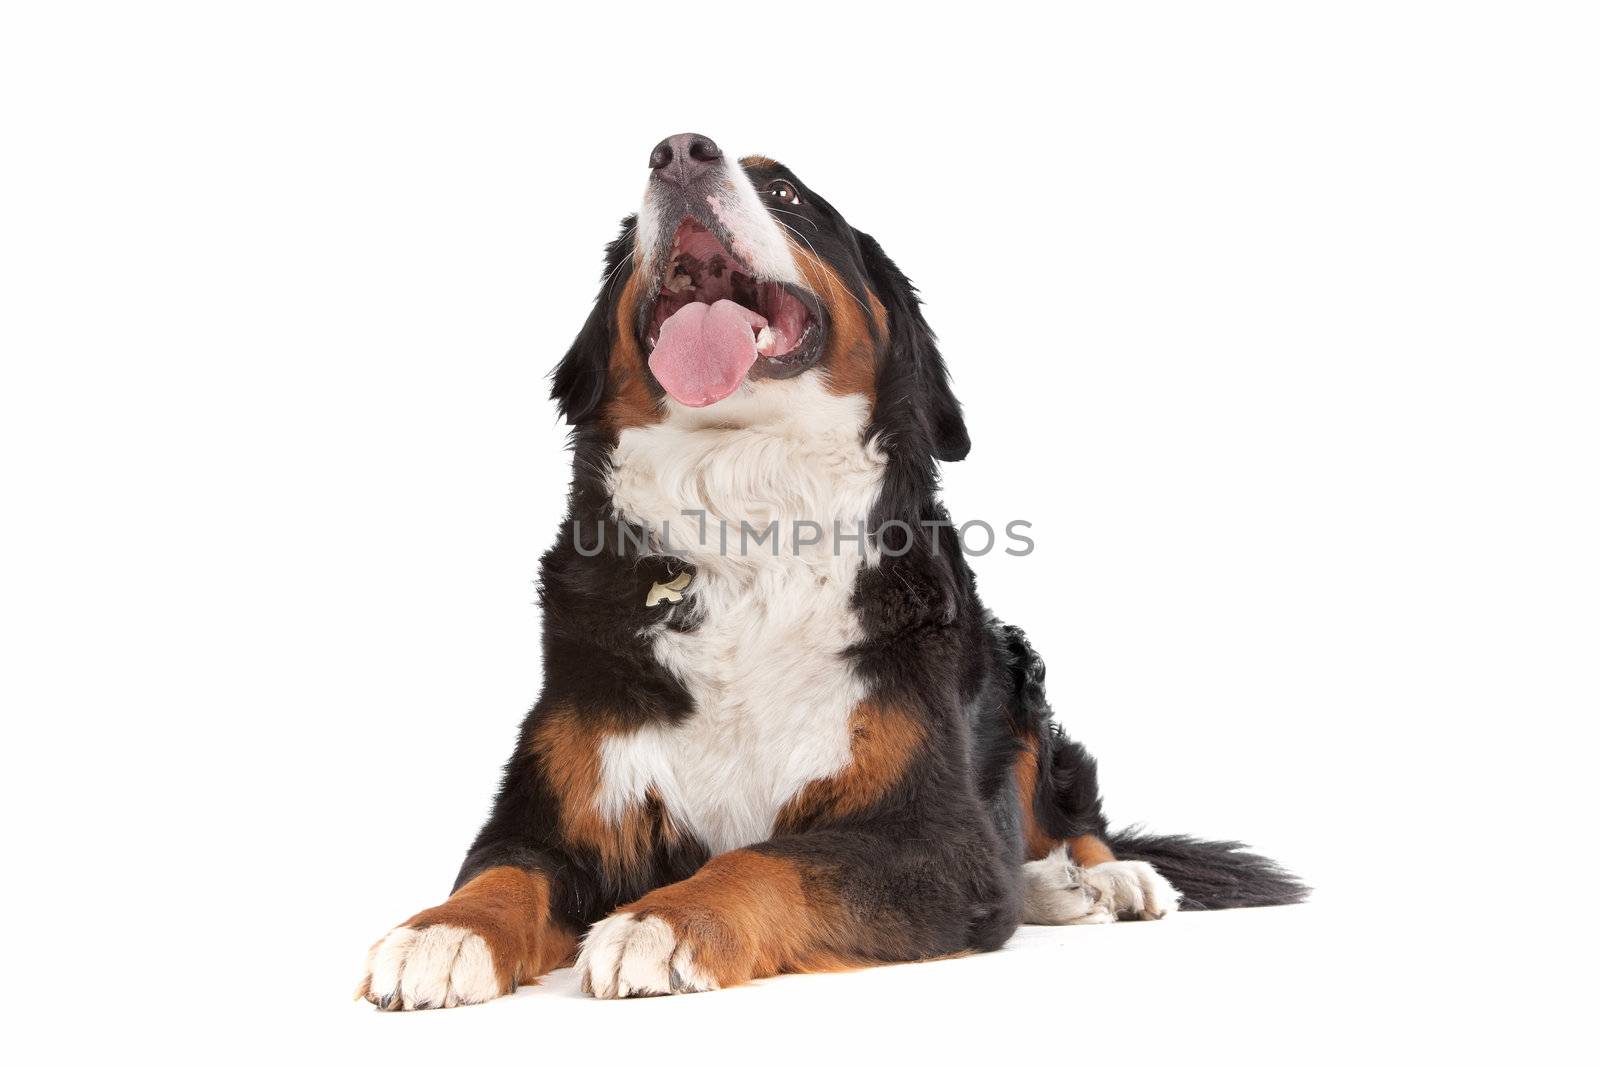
(1087, 850)
(1036, 844)
(750, 915)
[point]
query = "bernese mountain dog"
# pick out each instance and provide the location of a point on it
(778, 731)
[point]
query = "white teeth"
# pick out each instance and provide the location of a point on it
(679, 282)
(766, 341)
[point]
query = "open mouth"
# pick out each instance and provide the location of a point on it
(713, 325)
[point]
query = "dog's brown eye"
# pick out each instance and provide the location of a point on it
(779, 189)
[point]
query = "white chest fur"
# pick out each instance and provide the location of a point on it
(773, 695)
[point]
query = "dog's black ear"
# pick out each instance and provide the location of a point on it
(915, 365)
(578, 383)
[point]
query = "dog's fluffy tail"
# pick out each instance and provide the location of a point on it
(1211, 874)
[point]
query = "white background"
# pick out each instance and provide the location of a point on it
(1278, 321)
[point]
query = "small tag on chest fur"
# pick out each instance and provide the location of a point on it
(669, 592)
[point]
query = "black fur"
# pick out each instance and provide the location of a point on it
(579, 381)
(913, 387)
(1211, 874)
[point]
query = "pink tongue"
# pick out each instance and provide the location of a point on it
(704, 351)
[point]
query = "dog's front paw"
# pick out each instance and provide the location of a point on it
(1132, 889)
(493, 934)
(437, 966)
(629, 956)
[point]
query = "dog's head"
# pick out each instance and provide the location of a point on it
(735, 275)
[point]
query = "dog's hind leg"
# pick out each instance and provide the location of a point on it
(1058, 892)
(1071, 874)
(1054, 893)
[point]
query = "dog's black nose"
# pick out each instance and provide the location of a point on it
(683, 156)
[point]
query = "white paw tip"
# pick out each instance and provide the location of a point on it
(1136, 889)
(435, 967)
(627, 957)
(1054, 894)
